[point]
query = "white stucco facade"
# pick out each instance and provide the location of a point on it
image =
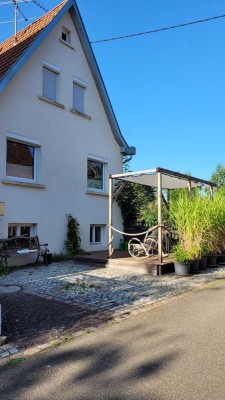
(63, 142)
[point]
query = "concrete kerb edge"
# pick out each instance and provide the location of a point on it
(119, 317)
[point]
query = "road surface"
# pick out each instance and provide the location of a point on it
(176, 351)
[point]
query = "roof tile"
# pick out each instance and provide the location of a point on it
(10, 52)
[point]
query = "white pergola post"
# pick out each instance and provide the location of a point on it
(110, 216)
(189, 186)
(159, 216)
(211, 191)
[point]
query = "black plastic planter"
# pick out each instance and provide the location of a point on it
(212, 261)
(203, 263)
(194, 267)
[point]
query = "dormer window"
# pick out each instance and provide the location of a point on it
(66, 35)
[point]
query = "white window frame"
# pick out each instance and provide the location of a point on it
(56, 70)
(94, 226)
(18, 228)
(83, 85)
(30, 142)
(104, 162)
(67, 32)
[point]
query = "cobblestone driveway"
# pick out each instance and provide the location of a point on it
(101, 288)
(68, 298)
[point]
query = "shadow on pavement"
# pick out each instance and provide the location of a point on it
(90, 369)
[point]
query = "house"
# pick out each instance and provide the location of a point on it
(59, 138)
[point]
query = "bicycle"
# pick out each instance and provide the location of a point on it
(44, 253)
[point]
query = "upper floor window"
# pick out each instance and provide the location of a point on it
(79, 88)
(66, 35)
(22, 159)
(50, 82)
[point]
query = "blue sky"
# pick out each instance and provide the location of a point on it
(167, 89)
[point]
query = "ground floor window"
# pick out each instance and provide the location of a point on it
(96, 233)
(21, 230)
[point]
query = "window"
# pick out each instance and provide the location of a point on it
(25, 231)
(79, 87)
(20, 160)
(12, 230)
(95, 234)
(78, 98)
(22, 155)
(50, 81)
(20, 230)
(66, 35)
(95, 175)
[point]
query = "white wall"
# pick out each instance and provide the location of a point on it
(66, 140)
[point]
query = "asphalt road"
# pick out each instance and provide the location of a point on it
(176, 351)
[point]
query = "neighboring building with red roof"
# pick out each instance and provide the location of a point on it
(59, 138)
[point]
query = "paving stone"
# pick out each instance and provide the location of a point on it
(13, 350)
(4, 354)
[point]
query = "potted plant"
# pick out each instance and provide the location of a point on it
(216, 233)
(182, 261)
(205, 250)
(187, 214)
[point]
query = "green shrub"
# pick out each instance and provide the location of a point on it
(190, 215)
(180, 255)
(4, 268)
(73, 240)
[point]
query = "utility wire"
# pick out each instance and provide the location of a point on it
(40, 5)
(159, 29)
(5, 3)
(19, 20)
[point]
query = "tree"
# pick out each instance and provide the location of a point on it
(218, 176)
(132, 199)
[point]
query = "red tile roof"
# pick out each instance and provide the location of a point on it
(10, 52)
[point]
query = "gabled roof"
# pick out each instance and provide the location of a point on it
(14, 55)
(10, 52)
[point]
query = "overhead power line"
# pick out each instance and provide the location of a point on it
(19, 20)
(40, 5)
(159, 29)
(5, 3)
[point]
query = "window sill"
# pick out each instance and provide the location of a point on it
(28, 184)
(97, 193)
(66, 43)
(51, 102)
(80, 113)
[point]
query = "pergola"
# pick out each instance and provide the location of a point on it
(159, 178)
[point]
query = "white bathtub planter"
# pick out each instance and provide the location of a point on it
(22, 257)
(20, 250)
